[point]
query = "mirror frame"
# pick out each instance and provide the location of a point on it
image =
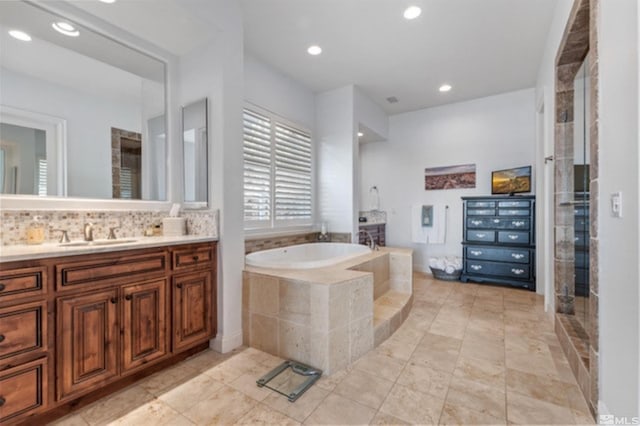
(130, 41)
(195, 205)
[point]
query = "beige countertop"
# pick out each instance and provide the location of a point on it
(41, 251)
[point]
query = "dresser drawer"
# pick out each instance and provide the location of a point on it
(511, 237)
(23, 389)
(483, 236)
(498, 223)
(498, 254)
(481, 204)
(514, 212)
(123, 267)
(193, 257)
(515, 204)
(481, 212)
(22, 282)
(23, 329)
(519, 271)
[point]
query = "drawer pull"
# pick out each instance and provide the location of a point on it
(475, 252)
(195, 258)
(2, 286)
(476, 222)
(179, 285)
(517, 271)
(518, 223)
(513, 237)
(114, 300)
(481, 235)
(2, 401)
(2, 338)
(496, 220)
(517, 255)
(476, 267)
(128, 297)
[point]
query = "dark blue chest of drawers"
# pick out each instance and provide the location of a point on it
(499, 240)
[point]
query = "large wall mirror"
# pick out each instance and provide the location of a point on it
(195, 153)
(105, 103)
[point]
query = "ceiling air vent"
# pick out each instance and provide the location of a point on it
(392, 99)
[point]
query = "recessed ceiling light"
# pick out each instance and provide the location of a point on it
(20, 35)
(412, 12)
(108, 1)
(360, 134)
(445, 88)
(65, 28)
(314, 50)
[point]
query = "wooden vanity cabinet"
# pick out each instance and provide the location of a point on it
(103, 321)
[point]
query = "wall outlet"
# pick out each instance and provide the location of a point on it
(616, 204)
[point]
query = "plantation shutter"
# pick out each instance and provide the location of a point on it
(42, 176)
(292, 174)
(257, 169)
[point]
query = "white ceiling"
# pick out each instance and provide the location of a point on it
(480, 47)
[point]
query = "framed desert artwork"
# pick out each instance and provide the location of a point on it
(450, 177)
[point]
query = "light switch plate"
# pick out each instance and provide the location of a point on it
(616, 204)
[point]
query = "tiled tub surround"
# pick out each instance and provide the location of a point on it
(327, 317)
(374, 217)
(13, 229)
(258, 242)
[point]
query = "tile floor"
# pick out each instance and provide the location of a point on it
(467, 354)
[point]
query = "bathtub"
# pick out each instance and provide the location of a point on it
(305, 256)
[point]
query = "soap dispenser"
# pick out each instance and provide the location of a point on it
(35, 231)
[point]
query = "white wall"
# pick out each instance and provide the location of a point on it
(545, 104)
(89, 122)
(618, 171)
(216, 71)
(496, 132)
(269, 89)
(336, 134)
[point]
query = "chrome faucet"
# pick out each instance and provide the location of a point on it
(372, 244)
(88, 231)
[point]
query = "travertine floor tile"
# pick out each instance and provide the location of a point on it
(412, 406)
(385, 419)
(303, 406)
(425, 379)
(336, 410)
(382, 366)
(460, 415)
(539, 387)
(525, 410)
(224, 406)
(187, 394)
(156, 413)
(490, 373)
(477, 397)
(261, 415)
(115, 406)
(364, 388)
(159, 382)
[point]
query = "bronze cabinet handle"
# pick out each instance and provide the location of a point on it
(2, 337)
(2, 286)
(114, 300)
(2, 401)
(128, 297)
(195, 258)
(179, 285)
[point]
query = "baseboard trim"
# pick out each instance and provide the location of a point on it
(226, 343)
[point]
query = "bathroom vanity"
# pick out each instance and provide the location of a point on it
(76, 324)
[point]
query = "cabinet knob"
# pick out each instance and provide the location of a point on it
(2, 338)
(2, 401)
(128, 297)
(195, 258)
(2, 286)
(114, 300)
(179, 285)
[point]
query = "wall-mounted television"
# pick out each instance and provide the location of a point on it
(511, 181)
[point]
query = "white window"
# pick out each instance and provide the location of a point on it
(277, 172)
(41, 177)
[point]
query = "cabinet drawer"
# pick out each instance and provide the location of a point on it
(15, 283)
(23, 329)
(499, 269)
(481, 204)
(514, 212)
(498, 223)
(512, 204)
(192, 257)
(498, 254)
(481, 212)
(510, 237)
(114, 268)
(23, 389)
(485, 236)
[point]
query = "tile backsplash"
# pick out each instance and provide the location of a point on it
(13, 229)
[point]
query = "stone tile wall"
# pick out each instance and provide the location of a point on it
(264, 243)
(13, 229)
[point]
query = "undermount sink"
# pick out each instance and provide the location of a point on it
(97, 243)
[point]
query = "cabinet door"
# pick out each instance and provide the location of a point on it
(87, 341)
(192, 309)
(144, 326)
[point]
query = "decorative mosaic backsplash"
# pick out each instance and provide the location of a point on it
(374, 216)
(13, 229)
(265, 243)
